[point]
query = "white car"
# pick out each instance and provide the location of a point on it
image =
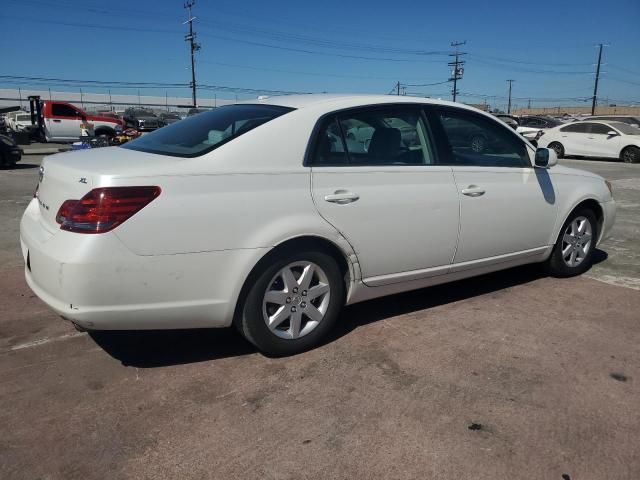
(18, 121)
(594, 139)
(532, 127)
(263, 215)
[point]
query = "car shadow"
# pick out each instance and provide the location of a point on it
(161, 348)
(20, 166)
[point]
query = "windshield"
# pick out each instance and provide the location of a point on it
(626, 128)
(143, 113)
(199, 134)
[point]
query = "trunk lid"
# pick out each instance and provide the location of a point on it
(71, 175)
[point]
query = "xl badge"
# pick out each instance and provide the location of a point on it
(41, 174)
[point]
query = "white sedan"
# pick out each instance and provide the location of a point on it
(594, 139)
(271, 216)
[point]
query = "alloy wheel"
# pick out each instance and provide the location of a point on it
(477, 144)
(629, 156)
(296, 300)
(577, 241)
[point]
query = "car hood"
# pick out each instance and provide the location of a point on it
(562, 170)
(146, 118)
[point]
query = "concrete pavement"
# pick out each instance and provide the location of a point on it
(511, 375)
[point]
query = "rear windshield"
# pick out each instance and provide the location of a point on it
(199, 134)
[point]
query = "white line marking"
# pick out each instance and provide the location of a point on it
(618, 281)
(43, 341)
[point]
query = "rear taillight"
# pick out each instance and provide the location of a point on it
(103, 209)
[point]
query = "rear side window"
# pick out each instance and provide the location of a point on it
(389, 136)
(481, 142)
(199, 134)
(575, 128)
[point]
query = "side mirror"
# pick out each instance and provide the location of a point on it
(612, 133)
(546, 158)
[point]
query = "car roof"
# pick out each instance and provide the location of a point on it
(337, 101)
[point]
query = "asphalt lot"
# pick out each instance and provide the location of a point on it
(512, 375)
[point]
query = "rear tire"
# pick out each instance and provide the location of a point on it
(558, 148)
(573, 252)
(284, 312)
(630, 155)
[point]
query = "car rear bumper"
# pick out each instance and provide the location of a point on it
(97, 283)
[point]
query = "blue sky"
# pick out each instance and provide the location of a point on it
(546, 47)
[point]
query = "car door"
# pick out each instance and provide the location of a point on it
(376, 179)
(574, 139)
(507, 207)
(64, 122)
(601, 144)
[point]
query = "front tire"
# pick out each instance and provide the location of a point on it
(630, 155)
(558, 148)
(573, 252)
(293, 303)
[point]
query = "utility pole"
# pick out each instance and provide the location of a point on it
(457, 71)
(509, 105)
(191, 38)
(398, 88)
(595, 87)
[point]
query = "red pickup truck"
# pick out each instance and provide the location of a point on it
(62, 122)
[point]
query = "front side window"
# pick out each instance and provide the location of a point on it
(482, 142)
(600, 128)
(388, 136)
(60, 110)
(199, 134)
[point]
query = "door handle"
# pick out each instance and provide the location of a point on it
(342, 197)
(473, 191)
(57, 120)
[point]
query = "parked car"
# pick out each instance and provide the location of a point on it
(631, 120)
(63, 120)
(18, 121)
(532, 127)
(264, 216)
(509, 120)
(195, 111)
(168, 118)
(10, 153)
(594, 139)
(141, 119)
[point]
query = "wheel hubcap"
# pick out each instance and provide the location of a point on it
(477, 144)
(576, 241)
(296, 300)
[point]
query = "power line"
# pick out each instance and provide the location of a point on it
(529, 70)
(220, 37)
(116, 84)
(526, 62)
(424, 84)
